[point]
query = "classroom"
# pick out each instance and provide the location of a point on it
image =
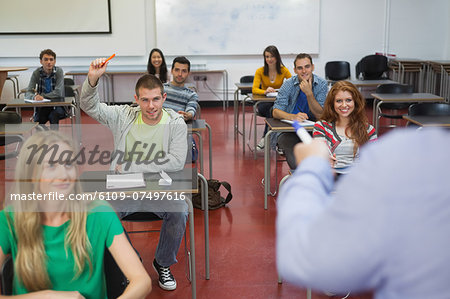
(235, 249)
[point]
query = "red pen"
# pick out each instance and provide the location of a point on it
(109, 58)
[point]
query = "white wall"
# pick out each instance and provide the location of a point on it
(349, 30)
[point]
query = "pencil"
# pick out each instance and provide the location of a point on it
(108, 59)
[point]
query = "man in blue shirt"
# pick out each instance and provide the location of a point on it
(384, 227)
(47, 82)
(300, 97)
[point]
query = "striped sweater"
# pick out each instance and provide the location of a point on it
(339, 145)
(180, 99)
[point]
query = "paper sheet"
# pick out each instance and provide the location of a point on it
(128, 180)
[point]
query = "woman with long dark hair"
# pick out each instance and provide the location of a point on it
(157, 64)
(268, 79)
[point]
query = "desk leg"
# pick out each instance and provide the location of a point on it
(206, 224)
(266, 167)
(200, 151)
(210, 150)
(374, 113)
(225, 89)
(255, 108)
(377, 120)
(243, 125)
(192, 246)
(236, 112)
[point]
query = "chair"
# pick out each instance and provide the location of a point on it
(6, 275)
(150, 217)
(116, 281)
(69, 81)
(337, 70)
(9, 117)
(15, 81)
(246, 79)
(372, 67)
(393, 88)
(429, 109)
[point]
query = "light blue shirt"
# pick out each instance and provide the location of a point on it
(289, 91)
(386, 228)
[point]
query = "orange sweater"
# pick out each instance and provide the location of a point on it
(261, 82)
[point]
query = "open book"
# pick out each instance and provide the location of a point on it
(128, 180)
(303, 123)
(35, 101)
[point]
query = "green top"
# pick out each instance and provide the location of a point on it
(102, 225)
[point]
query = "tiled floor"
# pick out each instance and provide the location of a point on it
(242, 235)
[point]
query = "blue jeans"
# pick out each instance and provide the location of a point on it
(172, 229)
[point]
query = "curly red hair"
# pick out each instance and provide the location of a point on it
(357, 127)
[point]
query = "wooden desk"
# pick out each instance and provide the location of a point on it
(183, 181)
(196, 127)
(380, 98)
(111, 71)
(257, 99)
(438, 70)
(371, 83)
(240, 87)
(17, 129)
(429, 121)
(4, 74)
(68, 102)
(275, 126)
(409, 71)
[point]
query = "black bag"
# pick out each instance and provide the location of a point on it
(215, 201)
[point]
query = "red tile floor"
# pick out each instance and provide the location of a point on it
(242, 235)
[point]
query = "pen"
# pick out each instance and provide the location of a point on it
(304, 135)
(301, 132)
(108, 59)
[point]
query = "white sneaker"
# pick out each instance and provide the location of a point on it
(260, 144)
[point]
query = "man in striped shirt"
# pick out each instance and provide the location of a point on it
(180, 98)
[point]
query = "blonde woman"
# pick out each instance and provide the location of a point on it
(57, 246)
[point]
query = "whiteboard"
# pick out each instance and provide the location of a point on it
(211, 27)
(54, 16)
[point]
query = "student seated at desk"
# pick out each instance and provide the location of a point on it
(58, 246)
(47, 82)
(268, 79)
(140, 133)
(299, 98)
(343, 124)
(180, 98)
(157, 64)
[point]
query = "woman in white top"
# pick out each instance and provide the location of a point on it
(343, 123)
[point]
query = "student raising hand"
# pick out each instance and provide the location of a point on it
(96, 69)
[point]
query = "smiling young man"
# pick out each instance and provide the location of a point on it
(301, 97)
(47, 82)
(149, 129)
(180, 98)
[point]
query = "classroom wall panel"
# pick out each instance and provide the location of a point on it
(419, 29)
(217, 27)
(127, 37)
(54, 16)
(349, 29)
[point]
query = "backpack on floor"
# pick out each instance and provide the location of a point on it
(215, 201)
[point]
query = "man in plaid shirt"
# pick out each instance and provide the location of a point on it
(47, 82)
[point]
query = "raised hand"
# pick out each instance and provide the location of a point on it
(96, 69)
